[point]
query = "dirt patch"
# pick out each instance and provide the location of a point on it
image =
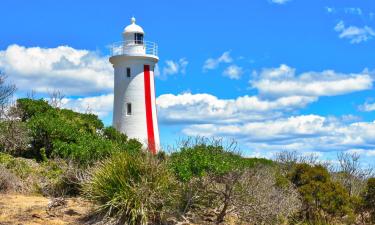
(33, 210)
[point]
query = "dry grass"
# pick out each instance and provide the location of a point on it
(32, 210)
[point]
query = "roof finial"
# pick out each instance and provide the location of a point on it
(132, 20)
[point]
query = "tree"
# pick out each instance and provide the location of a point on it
(351, 174)
(369, 198)
(56, 98)
(14, 136)
(323, 199)
(6, 93)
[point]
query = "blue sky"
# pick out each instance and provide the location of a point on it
(274, 75)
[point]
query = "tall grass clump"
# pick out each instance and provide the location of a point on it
(132, 188)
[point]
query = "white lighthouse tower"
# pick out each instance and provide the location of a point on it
(134, 110)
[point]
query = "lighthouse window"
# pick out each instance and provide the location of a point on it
(128, 109)
(138, 38)
(128, 72)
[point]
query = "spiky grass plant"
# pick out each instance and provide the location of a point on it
(133, 189)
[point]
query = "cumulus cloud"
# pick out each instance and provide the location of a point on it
(101, 105)
(279, 129)
(202, 108)
(74, 71)
(353, 33)
(283, 81)
(233, 72)
(213, 63)
(304, 132)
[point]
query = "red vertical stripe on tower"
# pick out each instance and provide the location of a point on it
(149, 120)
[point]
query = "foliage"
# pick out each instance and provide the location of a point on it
(131, 145)
(199, 160)
(30, 107)
(369, 198)
(133, 188)
(210, 175)
(70, 135)
(51, 178)
(19, 166)
(323, 199)
(14, 137)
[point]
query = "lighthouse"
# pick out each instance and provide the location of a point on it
(134, 109)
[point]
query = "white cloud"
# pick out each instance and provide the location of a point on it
(100, 105)
(367, 107)
(203, 108)
(280, 2)
(283, 81)
(330, 9)
(304, 132)
(73, 71)
(353, 10)
(269, 130)
(233, 72)
(174, 67)
(365, 152)
(265, 125)
(354, 34)
(213, 63)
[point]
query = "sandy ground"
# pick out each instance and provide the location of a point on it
(33, 210)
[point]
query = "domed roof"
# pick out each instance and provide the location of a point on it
(133, 28)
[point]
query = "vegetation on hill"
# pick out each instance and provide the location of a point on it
(57, 152)
(66, 134)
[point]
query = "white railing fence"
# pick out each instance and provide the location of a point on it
(129, 47)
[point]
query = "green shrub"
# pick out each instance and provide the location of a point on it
(134, 189)
(70, 135)
(369, 198)
(50, 177)
(201, 159)
(323, 199)
(18, 166)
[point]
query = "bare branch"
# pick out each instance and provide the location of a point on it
(55, 98)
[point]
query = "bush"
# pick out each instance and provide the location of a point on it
(50, 178)
(369, 198)
(18, 166)
(210, 175)
(65, 134)
(260, 197)
(9, 182)
(14, 137)
(202, 159)
(323, 199)
(133, 189)
(60, 178)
